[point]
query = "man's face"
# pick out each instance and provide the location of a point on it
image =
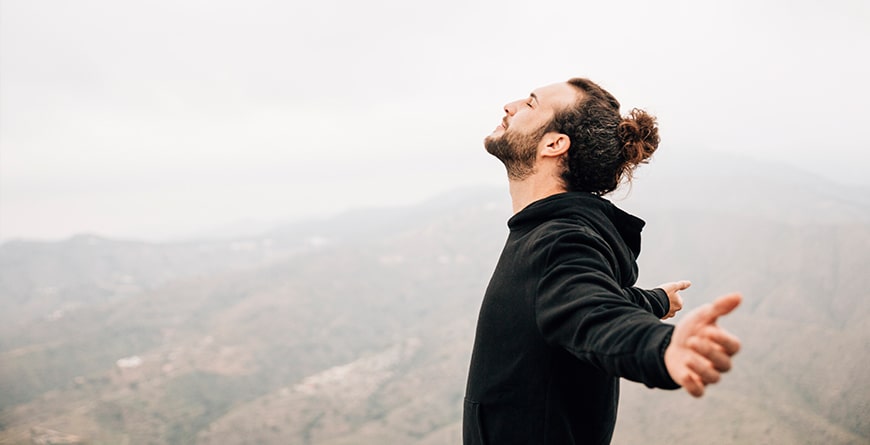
(516, 141)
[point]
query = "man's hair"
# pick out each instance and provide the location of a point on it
(605, 147)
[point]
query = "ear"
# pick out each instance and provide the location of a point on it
(555, 144)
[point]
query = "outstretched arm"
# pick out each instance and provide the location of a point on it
(654, 301)
(700, 350)
(664, 301)
(580, 307)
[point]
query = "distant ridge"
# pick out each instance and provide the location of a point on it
(224, 331)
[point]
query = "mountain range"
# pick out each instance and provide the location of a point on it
(357, 329)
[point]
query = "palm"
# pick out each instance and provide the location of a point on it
(700, 350)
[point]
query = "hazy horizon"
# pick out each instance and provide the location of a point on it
(325, 333)
(158, 120)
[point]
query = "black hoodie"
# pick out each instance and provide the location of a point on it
(560, 323)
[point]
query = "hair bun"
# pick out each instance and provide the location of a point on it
(639, 136)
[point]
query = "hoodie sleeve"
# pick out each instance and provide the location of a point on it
(654, 301)
(581, 308)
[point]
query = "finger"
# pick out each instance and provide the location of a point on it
(721, 361)
(693, 384)
(729, 343)
(704, 369)
(725, 304)
(711, 351)
(675, 286)
(721, 306)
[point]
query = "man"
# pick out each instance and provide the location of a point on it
(561, 322)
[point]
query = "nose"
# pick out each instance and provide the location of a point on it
(511, 108)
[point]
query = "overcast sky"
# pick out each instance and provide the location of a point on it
(160, 119)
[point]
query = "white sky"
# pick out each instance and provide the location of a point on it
(161, 118)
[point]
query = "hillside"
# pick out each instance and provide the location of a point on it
(358, 329)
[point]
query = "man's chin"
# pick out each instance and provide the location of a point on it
(493, 137)
(490, 144)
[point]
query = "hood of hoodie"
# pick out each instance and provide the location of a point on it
(618, 228)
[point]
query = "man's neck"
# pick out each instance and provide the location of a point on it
(531, 189)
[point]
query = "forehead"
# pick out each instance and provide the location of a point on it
(557, 95)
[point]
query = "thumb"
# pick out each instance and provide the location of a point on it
(723, 305)
(675, 286)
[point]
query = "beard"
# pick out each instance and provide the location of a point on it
(516, 151)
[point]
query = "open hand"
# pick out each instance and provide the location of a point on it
(700, 350)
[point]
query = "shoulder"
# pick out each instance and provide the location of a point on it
(570, 230)
(572, 236)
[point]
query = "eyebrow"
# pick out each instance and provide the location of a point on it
(534, 96)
